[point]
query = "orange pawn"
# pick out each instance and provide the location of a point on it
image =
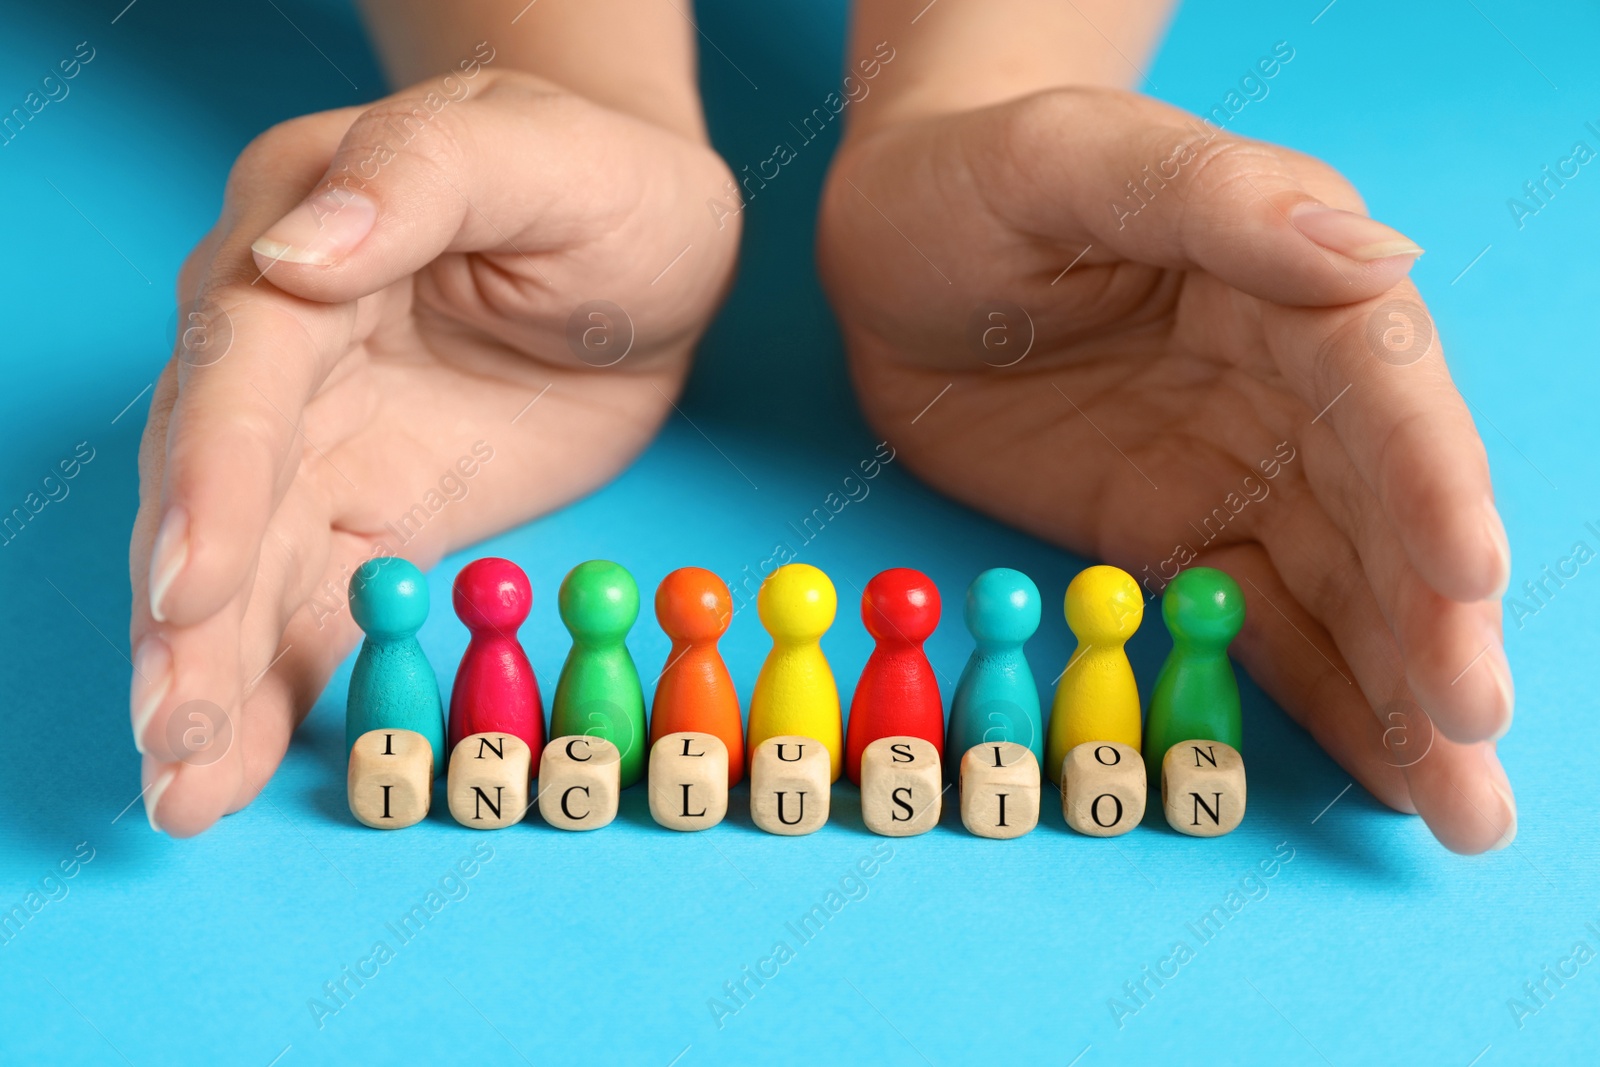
(695, 691)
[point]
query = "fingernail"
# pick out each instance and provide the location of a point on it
(152, 796)
(321, 231)
(152, 679)
(1500, 671)
(1502, 789)
(1496, 529)
(1352, 235)
(168, 557)
(1511, 828)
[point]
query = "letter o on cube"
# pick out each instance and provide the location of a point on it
(1102, 788)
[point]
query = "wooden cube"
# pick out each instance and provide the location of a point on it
(1102, 788)
(390, 780)
(1203, 788)
(488, 784)
(999, 786)
(902, 791)
(790, 778)
(688, 780)
(580, 782)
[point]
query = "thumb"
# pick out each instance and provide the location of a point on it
(450, 165)
(1149, 183)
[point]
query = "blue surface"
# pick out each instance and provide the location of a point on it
(1370, 944)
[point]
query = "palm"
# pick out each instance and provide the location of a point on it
(1105, 391)
(1131, 410)
(442, 369)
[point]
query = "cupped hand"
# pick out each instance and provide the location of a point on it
(1090, 316)
(415, 324)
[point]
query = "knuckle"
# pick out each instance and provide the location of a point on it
(416, 127)
(1330, 368)
(254, 436)
(1335, 588)
(192, 273)
(265, 154)
(1032, 122)
(1225, 162)
(1400, 438)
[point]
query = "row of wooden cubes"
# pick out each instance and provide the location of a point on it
(1103, 784)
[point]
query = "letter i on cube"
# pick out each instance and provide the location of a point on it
(999, 787)
(390, 781)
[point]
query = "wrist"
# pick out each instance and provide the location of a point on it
(961, 55)
(637, 62)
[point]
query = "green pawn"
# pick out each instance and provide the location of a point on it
(1196, 695)
(598, 693)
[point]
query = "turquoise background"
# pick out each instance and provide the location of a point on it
(1372, 944)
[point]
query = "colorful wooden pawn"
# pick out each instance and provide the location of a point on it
(898, 694)
(1196, 696)
(598, 693)
(695, 693)
(392, 686)
(795, 693)
(996, 698)
(1097, 698)
(495, 690)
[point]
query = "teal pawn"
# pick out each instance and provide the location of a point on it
(598, 693)
(393, 686)
(1196, 695)
(996, 698)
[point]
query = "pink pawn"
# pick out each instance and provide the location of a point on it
(495, 690)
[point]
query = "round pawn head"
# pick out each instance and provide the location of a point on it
(1003, 607)
(1104, 605)
(694, 605)
(900, 604)
(599, 601)
(797, 602)
(492, 594)
(388, 598)
(1203, 606)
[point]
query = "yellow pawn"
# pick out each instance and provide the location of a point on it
(1097, 698)
(795, 692)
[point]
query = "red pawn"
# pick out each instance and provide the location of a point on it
(495, 690)
(898, 694)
